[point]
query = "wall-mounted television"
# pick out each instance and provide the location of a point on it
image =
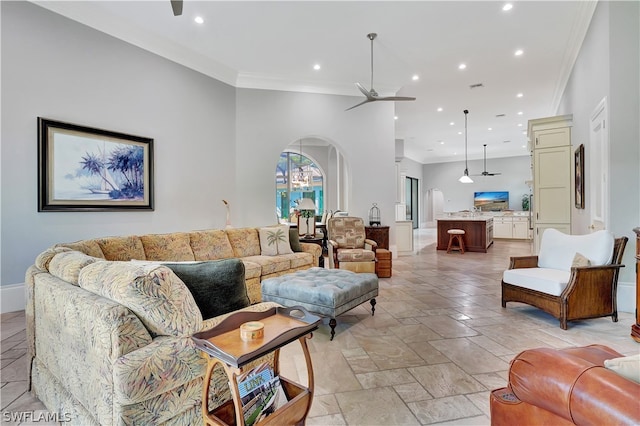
(491, 201)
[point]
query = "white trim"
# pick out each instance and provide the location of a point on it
(12, 297)
(579, 30)
(626, 297)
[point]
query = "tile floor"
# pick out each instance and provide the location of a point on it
(438, 343)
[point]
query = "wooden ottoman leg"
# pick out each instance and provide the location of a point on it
(332, 324)
(373, 306)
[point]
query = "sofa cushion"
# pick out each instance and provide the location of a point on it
(545, 280)
(627, 366)
(251, 269)
(580, 261)
(355, 255)
(68, 264)
(174, 246)
(152, 291)
(274, 240)
(122, 248)
(90, 247)
(210, 245)
(270, 264)
(217, 286)
(244, 241)
(557, 250)
(298, 260)
(294, 240)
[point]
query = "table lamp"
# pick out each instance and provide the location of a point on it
(308, 210)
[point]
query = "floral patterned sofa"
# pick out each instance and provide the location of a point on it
(109, 340)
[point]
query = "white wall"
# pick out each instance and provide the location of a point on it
(267, 121)
(459, 196)
(609, 65)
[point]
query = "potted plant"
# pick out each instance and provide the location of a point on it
(525, 202)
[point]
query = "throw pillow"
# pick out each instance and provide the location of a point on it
(274, 240)
(218, 286)
(580, 260)
(294, 240)
(627, 366)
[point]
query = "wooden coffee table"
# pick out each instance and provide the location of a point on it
(222, 344)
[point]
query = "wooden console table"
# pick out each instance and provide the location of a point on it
(379, 234)
(635, 328)
(222, 345)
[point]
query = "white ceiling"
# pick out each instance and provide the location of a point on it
(274, 45)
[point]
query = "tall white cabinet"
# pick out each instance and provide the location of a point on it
(550, 143)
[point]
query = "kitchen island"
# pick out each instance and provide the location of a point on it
(478, 231)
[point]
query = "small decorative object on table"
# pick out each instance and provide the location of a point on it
(252, 330)
(374, 215)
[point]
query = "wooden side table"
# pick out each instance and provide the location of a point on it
(635, 328)
(223, 345)
(379, 234)
(383, 264)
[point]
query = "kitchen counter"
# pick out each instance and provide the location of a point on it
(478, 231)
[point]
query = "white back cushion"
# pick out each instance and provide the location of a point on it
(557, 250)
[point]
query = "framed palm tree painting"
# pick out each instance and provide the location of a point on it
(87, 169)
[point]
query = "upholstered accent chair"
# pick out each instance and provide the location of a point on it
(348, 245)
(573, 277)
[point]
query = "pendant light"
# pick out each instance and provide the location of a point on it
(465, 177)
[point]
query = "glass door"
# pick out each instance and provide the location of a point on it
(411, 188)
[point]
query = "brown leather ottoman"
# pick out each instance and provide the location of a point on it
(383, 265)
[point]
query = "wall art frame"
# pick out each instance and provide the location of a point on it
(82, 168)
(579, 176)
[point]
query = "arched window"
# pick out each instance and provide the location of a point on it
(297, 177)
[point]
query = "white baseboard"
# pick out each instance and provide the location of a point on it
(12, 297)
(626, 297)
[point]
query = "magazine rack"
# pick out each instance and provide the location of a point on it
(222, 344)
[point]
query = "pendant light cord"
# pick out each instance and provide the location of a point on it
(466, 167)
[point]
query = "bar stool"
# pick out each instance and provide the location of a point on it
(456, 235)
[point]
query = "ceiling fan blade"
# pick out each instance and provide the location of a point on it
(364, 91)
(176, 5)
(362, 103)
(396, 98)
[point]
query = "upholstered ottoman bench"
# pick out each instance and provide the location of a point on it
(326, 292)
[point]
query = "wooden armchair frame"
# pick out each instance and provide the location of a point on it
(590, 293)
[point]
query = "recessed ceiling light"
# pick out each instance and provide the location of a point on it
(519, 124)
(316, 67)
(439, 109)
(459, 133)
(489, 128)
(524, 132)
(415, 77)
(199, 20)
(395, 117)
(441, 142)
(462, 66)
(519, 52)
(519, 95)
(452, 123)
(507, 6)
(519, 112)
(524, 146)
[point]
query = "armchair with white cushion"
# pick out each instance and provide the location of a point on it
(573, 277)
(348, 246)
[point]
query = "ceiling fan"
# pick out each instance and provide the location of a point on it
(176, 5)
(371, 94)
(485, 172)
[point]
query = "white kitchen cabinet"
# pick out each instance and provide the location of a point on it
(513, 227)
(550, 140)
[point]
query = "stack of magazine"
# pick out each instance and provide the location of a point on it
(260, 392)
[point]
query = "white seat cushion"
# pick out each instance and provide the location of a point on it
(456, 231)
(545, 280)
(557, 250)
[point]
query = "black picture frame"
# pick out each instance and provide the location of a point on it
(82, 168)
(579, 176)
